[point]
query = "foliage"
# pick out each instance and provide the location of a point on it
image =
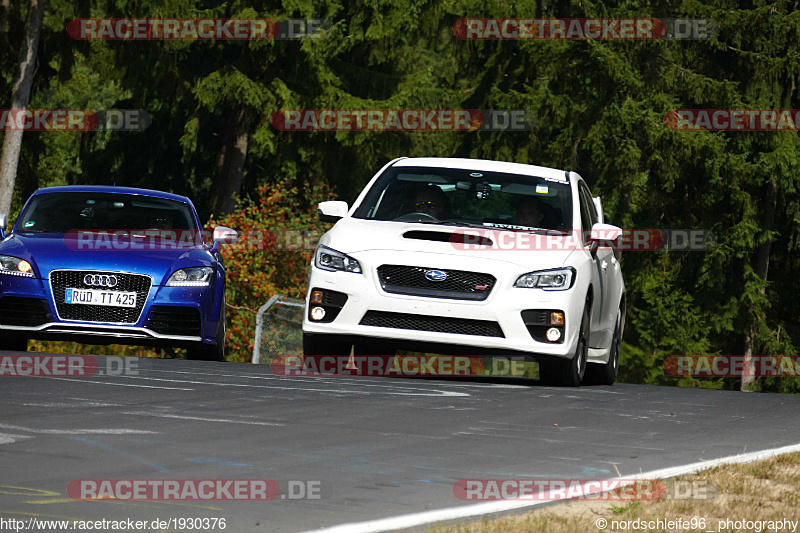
(278, 231)
(599, 108)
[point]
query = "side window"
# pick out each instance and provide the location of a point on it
(586, 197)
(586, 220)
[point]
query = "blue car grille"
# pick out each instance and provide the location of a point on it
(60, 280)
(175, 320)
(19, 311)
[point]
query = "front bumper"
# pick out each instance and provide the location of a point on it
(495, 324)
(171, 316)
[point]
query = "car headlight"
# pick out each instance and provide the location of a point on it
(329, 259)
(550, 280)
(15, 266)
(191, 277)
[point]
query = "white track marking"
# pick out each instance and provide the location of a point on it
(119, 384)
(106, 431)
(10, 438)
(203, 419)
(427, 392)
(467, 511)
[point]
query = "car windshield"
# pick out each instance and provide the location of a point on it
(468, 198)
(62, 212)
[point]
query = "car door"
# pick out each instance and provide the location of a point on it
(603, 264)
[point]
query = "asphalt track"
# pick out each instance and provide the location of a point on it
(377, 447)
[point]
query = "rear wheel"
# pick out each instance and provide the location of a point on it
(570, 372)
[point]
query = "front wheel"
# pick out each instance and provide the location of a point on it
(211, 352)
(606, 374)
(321, 345)
(13, 343)
(570, 372)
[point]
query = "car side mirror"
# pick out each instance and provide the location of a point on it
(331, 211)
(3, 223)
(605, 233)
(224, 235)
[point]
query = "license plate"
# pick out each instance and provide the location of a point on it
(98, 297)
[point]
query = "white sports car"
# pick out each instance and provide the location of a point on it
(467, 256)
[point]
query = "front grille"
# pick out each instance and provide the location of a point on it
(19, 311)
(440, 324)
(175, 320)
(459, 284)
(60, 280)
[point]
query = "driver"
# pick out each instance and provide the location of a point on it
(530, 213)
(432, 201)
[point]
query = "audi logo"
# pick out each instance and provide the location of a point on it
(101, 280)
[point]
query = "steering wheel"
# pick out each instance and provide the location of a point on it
(410, 216)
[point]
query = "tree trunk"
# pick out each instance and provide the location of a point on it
(762, 269)
(12, 142)
(5, 7)
(230, 164)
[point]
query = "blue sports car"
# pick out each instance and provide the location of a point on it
(112, 265)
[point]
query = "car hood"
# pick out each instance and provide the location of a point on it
(523, 249)
(48, 252)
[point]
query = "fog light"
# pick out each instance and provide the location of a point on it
(557, 319)
(553, 334)
(317, 313)
(316, 297)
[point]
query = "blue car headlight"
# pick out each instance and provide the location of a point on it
(15, 266)
(191, 277)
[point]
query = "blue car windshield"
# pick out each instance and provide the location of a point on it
(62, 212)
(470, 198)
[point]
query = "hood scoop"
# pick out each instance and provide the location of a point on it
(446, 236)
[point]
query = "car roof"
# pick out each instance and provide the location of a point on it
(484, 164)
(113, 189)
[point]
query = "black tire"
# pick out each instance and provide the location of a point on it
(211, 352)
(321, 345)
(13, 343)
(373, 348)
(606, 374)
(570, 372)
(318, 351)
